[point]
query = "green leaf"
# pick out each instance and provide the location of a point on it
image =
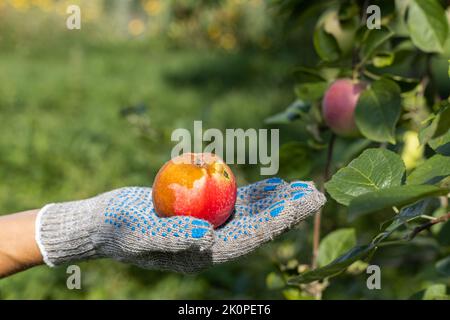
(336, 267)
(441, 144)
(311, 91)
(373, 170)
(296, 294)
(444, 234)
(427, 24)
(326, 45)
(359, 35)
(398, 196)
(434, 292)
(415, 210)
(274, 281)
(293, 112)
(426, 133)
(378, 110)
(357, 267)
(431, 171)
(295, 161)
(405, 84)
(346, 151)
(443, 120)
(347, 11)
(383, 59)
(304, 75)
(438, 126)
(438, 69)
(335, 244)
(443, 266)
(372, 39)
(437, 123)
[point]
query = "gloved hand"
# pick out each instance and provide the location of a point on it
(123, 225)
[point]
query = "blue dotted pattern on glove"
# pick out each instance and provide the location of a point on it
(259, 203)
(133, 208)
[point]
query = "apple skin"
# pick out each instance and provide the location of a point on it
(338, 106)
(199, 185)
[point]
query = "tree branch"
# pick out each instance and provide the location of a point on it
(428, 225)
(317, 218)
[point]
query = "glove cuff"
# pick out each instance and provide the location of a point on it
(62, 234)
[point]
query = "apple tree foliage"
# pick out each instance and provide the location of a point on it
(388, 188)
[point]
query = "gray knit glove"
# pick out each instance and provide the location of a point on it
(122, 225)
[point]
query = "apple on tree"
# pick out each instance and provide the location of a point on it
(339, 104)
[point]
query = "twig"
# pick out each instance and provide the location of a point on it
(428, 225)
(317, 218)
(364, 12)
(391, 243)
(316, 238)
(329, 157)
(357, 65)
(371, 75)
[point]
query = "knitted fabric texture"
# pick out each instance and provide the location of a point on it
(123, 225)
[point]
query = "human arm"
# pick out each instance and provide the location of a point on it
(18, 247)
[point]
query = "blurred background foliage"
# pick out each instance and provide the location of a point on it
(85, 111)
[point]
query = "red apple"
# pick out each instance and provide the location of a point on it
(338, 106)
(200, 185)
